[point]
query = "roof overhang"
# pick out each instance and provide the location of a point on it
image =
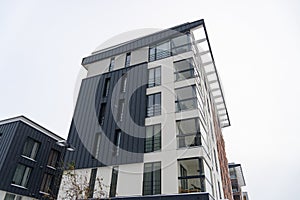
(207, 62)
(33, 125)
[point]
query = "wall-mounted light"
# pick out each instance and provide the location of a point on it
(64, 143)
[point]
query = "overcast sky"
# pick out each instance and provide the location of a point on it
(256, 47)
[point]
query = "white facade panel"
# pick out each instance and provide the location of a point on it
(130, 180)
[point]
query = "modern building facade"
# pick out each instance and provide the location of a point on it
(237, 181)
(29, 160)
(148, 119)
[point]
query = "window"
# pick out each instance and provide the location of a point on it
(124, 83)
(96, 147)
(168, 48)
(111, 64)
(160, 51)
(31, 148)
(114, 181)
(21, 175)
(191, 176)
(154, 77)
(186, 98)
(102, 114)
(92, 182)
(53, 158)
(121, 110)
(127, 60)
(9, 196)
(189, 133)
(46, 183)
(153, 138)
(106, 87)
(117, 142)
(154, 105)
(152, 178)
(181, 44)
(184, 69)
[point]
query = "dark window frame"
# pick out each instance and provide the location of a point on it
(191, 69)
(114, 181)
(24, 179)
(155, 108)
(111, 64)
(53, 158)
(106, 87)
(181, 100)
(152, 186)
(127, 59)
(102, 114)
(156, 77)
(47, 182)
(32, 144)
(154, 141)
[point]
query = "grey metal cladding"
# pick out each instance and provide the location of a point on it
(144, 41)
(8, 131)
(19, 132)
(85, 123)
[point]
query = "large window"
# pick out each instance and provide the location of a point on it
(154, 77)
(186, 98)
(152, 178)
(53, 158)
(153, 138)
(181, 44)
(160, 51)
(114, 181)
(127, 59)
(9, 196)
(190, 132)
(21, 175)
(154, 105)
(92, 182)
(46, 183)
(191, 176)
(31, 148)
(184, 69)
(171, 47)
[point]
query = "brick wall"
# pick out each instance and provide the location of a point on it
(222, 159)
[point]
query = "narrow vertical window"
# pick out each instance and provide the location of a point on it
(117, 142)
(121, 110)
(96, 147)
(31, 148)
(46, 183)
(53, 158)
(127, 60)
(114, 181)
(152, 178)
(106, 87)
(153, 105)
(124, 83)
(153, 138)
(102, 114)
(154, 77)
(92, 182)
(111, 64)
(21, 175)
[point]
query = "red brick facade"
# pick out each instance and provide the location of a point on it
(222, 160)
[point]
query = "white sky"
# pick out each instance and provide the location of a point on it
(255, 44)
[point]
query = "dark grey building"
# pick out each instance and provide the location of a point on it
(30, 160)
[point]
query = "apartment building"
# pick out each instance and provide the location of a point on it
(149, 117)
(237, 181)
(29, 160)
